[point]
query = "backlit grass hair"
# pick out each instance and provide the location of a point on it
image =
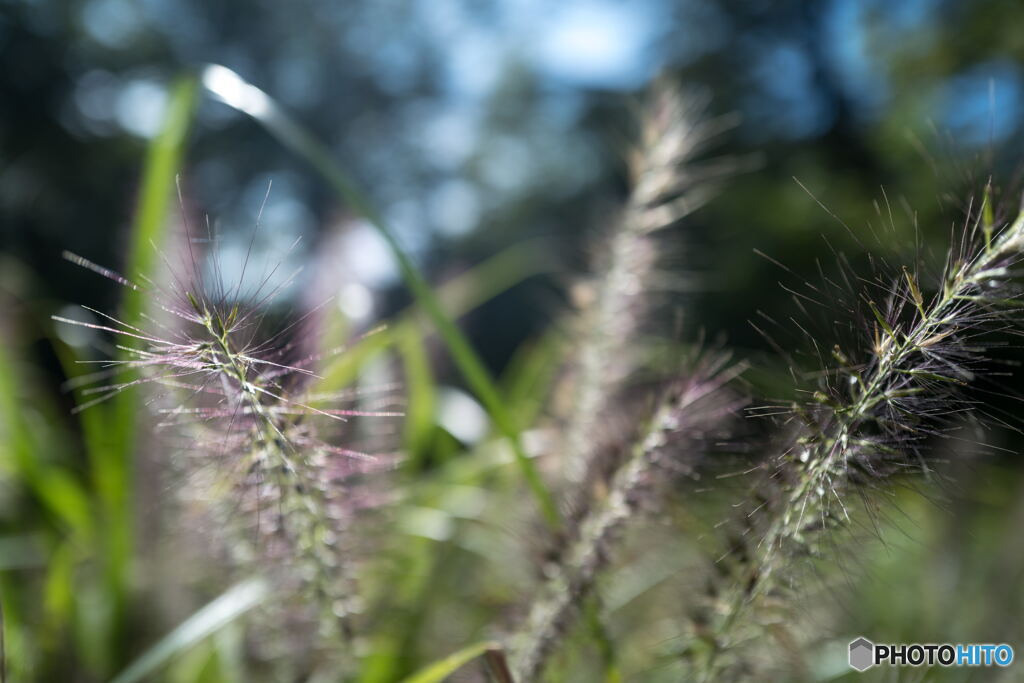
(610, 454)
(876, 412)
(692, 413)
(667, 184)
(281, 497)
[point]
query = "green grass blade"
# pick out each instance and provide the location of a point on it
(421, 402)
(442, 669)
(113, 450)
(163, 159)
(459, 295)
(236, 92)
(235, 602)
(149, 226)
(21, 453)
(527, 382)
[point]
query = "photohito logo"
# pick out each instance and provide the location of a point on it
(864, 654)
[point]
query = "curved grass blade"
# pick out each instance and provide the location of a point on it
(442, 669)
(111, 434)
(231, 605)
(163, 159)
(419, 414)
(234, 91)
(460, 295)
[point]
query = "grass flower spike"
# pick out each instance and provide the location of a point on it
(282, 497)
(673, 441)
(665, 189)
(869, 420)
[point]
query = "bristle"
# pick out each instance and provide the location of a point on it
(105, 272)
(673, 441)
(666, 187)
(620, 465)
(277, 492)
(866, 422)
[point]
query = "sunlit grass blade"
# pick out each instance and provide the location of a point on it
(442, 669)
(460, 295)
(419, 413)
(163, 160)
(112, 442)
(528, 380)
(231, 605)
(236, 92)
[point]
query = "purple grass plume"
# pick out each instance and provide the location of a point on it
(694, 410)
(263, 453)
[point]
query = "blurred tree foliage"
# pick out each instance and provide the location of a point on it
(472, 129)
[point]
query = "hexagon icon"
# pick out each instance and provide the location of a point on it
(862, 654)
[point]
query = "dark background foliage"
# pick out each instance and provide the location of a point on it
(477, 125)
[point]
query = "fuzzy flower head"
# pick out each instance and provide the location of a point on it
(257, 412)
(877, 409)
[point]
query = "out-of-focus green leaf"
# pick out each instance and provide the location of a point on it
(235, 602)
(59, 596)
(163, 160)
(236, 92)
(460, 295)
(419, 387)
(230, 644)
(112, 448)
(442, 669)
(92, 628)
(404, 604)
(530, 374)
(198, 665)
(20, 645)
(346, 368)
(20, 453)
